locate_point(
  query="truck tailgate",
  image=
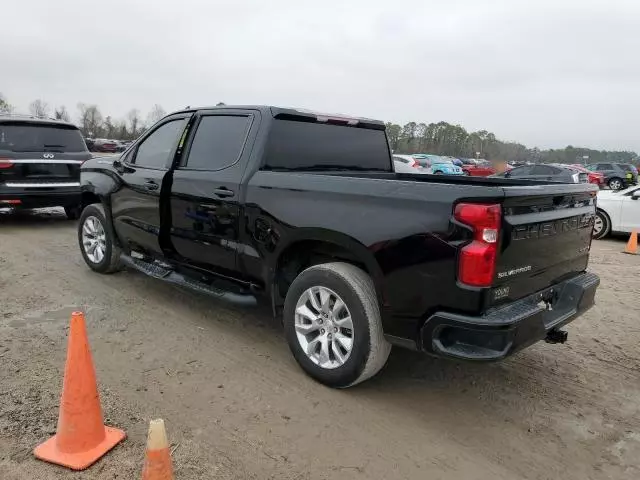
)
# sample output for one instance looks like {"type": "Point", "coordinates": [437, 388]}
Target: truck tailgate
{"type": "Point", "coordinates": [546, 238]}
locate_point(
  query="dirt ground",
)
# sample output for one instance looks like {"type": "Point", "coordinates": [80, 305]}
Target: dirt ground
{"type": "Point", "coordinates": [237, 406]}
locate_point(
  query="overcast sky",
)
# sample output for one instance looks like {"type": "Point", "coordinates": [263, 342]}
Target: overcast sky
{"type": "Point", "coordinates": [545, 73]}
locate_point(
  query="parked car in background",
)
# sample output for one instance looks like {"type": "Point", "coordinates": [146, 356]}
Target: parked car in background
{"type": "Point", "coordinates": [40, 163]}
{"type": "Point", "coordinates": [438, 165]}
{"type": "Point", "coordinates": [477, 168]}
{"type": "Point", "coordinates": [596, 178]}
{"type": "Point", "coordinates": [616, 175]}
{"type": "Point", "coordinates": [408, 164]}
{"type": "Point", "coordinates": [618, 211]}
{"type": "Point", "coordinates": [546, 172]}
{"type": "Point", "coordinates": [122, 145]}
{"type": "Point", "coordinates": [105, 146]}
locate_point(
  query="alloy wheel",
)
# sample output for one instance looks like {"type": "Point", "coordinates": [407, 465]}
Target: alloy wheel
{"type": "Point", "coordinates": [324, 327]}
{"type": "Point", "coordinates": [615, 184]}
{"type": "Point", "coordinates": [94, 239]}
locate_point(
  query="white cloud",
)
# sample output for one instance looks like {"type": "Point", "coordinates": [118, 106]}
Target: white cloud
{"type": "Point", "coordinates": [547, 73]}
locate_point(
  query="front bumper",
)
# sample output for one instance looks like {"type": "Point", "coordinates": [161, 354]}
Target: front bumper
{"type": "Point", "coordinates": [504, 330]}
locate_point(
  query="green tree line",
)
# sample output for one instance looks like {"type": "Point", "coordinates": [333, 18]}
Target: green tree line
{"type": "Point", "coordinates": [91, 121]}
{"type": "Point", "coordinates": [443, 138]}
{"type": "Point", "coordinates": [440, 138]}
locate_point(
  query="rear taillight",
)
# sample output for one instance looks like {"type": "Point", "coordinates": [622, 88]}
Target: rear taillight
{"type": "Point", "coordinates": [6, 162]}
{"type": "Point", "coordinates": [477, 260]}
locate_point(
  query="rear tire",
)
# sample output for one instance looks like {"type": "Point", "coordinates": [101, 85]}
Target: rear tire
{"type": "Point", "coordinates": [602, 225]}
{"type": "Point", "coordinates": [616, 183]}
{"type": "Point", "coordinates": [98, 247]}
{"type": "Point", "coordinates": [368, 349]}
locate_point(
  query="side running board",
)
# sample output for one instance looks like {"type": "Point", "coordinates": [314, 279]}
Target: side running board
{"type": "Point", "coordinates": [164, 272]}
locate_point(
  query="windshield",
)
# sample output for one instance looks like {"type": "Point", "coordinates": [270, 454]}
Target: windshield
{"type": "Point", "coordinates": [25, 137]}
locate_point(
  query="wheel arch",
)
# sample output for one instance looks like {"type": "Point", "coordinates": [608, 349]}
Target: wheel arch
{"type": "Point", "coordinates": [96, 187]}
{"type": "Point", "coordinates": [314, 246]}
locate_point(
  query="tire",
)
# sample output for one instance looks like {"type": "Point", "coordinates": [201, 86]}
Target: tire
{"type": "Point", "coordinates": [602, 225]}
{"type": "Point", "coordinates": [73, 212]}
{"type": "Point", "coordinates": [369, 349]}
{"type": "Point", "coordinates": [438, 173]}
{"type": "Point", "coordinates": [616, 183]}
{"type": "Point", "coordinates": [109, 261]}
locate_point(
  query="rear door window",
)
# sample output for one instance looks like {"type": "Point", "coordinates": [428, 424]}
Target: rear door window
{"type": "Point", "coordinates": [297, 145]}
{"type": "Point", "coordinates": [218, 142]}
{"type": "Point", "coordinates": [605, 166]}
{"type": "Point", "coordinates": [544, 170]}
{"type": "Point", "coordinates": [520, 171]}
{"type": "Point", "coordinates": [31, 137]}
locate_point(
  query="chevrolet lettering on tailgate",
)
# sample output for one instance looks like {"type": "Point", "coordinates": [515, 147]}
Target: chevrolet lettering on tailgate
{"type": "Point", "coordinates": [548, 229]}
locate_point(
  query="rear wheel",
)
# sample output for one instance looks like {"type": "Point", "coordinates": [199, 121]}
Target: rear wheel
{"type": "Point", "coordinates": [333, 326]}
{"type": "Point", "coordinates": [99, 250]}
{"type": "Point", "coordinates": [616, 183]}
{"type": "Point", "coordinates": [438, 173]}
{"type": "Point", "coordinates": [601, 225]}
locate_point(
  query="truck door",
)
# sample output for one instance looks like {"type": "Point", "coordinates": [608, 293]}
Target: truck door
{"type": "Point", "coordinates": [136, 205]}
{"type": "Point", "coordinates": [205, 194]}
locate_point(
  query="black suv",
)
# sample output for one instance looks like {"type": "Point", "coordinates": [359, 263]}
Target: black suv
{"type": "Point", "coordinates": [616, 175]}
{"type": "Point", "coordinates": [40, 163]}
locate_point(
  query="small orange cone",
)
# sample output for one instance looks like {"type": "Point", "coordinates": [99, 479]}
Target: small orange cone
{"type": "Point", "coordinates": [632, 244]}
{"type": "Point", "coordinates": [81, 438]}
{"type": "Point", "coordinates": [157, 461]}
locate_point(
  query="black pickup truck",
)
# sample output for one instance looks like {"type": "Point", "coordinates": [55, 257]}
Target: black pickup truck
{"type": "Point", "coordinates": [305, 210]}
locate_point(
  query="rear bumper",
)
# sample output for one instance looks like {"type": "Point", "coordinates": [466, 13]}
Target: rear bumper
{"type": "Point", "coordinates": [39, 197]}
{"type": "Point", "coordinates": [507, 329]}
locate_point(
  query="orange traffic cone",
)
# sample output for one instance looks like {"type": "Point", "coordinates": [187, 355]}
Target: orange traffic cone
{"type": "Point", "coordinates": [632, 244]}
{"type": "Point", "coordinates": [157, 461]}
{"type": "Point", "coordinates": [81, 438]}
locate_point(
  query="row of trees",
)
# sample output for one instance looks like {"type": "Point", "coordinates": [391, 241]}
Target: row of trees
{"type": "Point", "coordinates": [443, 138]}
{"type": "Point", "coordinates": [440, 138]}
{"type": "Point", "coordinates": [91, 120]}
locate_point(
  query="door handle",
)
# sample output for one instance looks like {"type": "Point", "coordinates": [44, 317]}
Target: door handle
{"type": "Point", "coordinates": [151, 185]}
{"type": "Point", "coordinates": [224, 192]}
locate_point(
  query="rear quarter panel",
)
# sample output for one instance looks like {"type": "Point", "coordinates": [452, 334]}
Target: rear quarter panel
{"type": "Point", "coordinates": [400, 229]}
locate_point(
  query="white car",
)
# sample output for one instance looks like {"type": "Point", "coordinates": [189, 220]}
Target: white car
{"type": "Point", "coordinates": [618, 211]}
{"type": "Point", "coordinates": [408, 164]}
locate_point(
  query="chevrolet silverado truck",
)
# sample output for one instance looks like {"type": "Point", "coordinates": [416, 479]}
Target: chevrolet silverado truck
{"type": "Point", "coordinates": [305, 211]}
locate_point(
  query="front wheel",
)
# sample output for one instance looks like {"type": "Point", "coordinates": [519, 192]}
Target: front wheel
{"type": "Point", "coordinates": [333, 326]}
{"type": "Point", "coordinates": [616, 184]}
{"type": "Point", "coordinates": [99, 250]}
{"type": "Point", "coordinates": [601, 225]}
